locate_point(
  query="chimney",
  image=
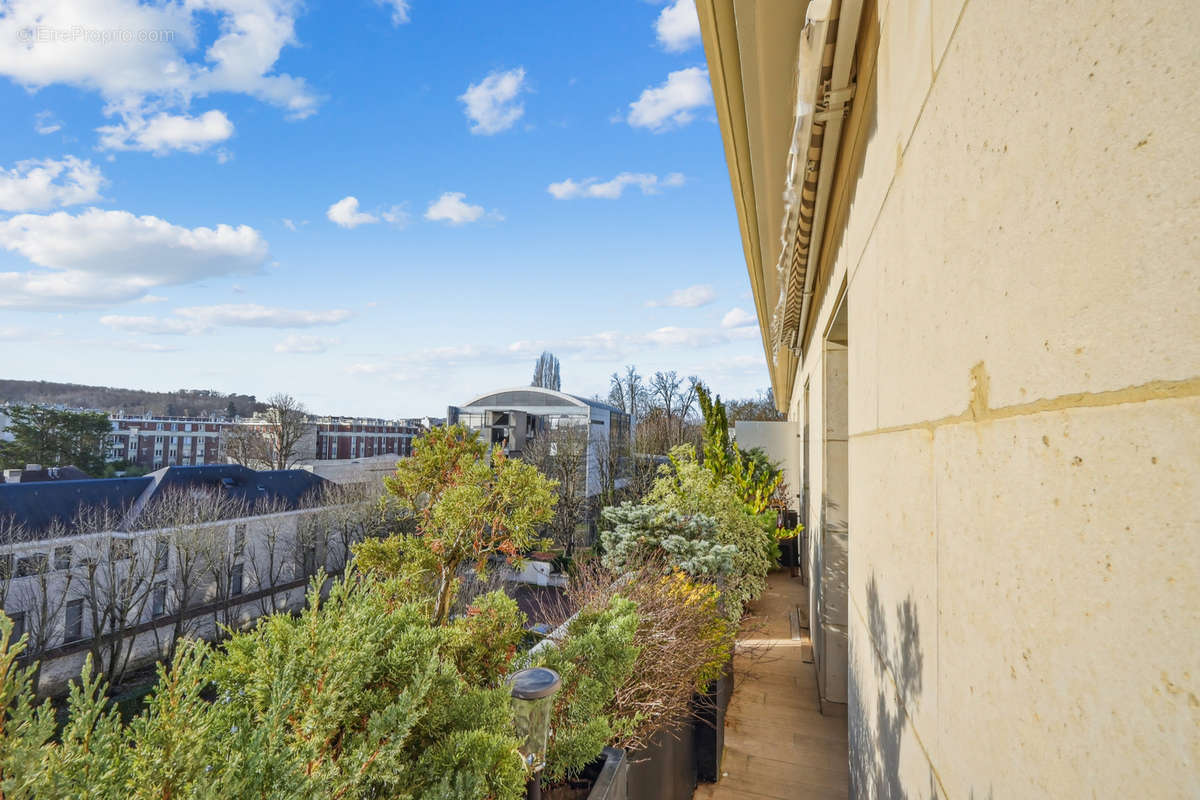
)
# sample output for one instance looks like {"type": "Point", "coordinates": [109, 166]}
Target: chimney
{"type": "Point", "coordinates": [12, 475]}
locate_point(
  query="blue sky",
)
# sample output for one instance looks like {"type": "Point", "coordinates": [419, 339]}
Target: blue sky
{"type": "Point", "coordinates": [381, 208]}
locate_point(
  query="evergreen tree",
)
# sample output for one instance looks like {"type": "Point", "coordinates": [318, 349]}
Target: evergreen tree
{"type": "Point", "coordinates": [55, 438]}
{"type": "Point", "coordinates": [545, 372]}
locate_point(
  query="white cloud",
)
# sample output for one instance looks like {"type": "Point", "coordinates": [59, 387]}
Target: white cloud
{"type": "Point", "coordinates": [164, 132]}
{"type": "Point", "coordinates": [152, 298]}
{"type": "Point", "coordinates": [157, 326]}
{"type": "Point", "coordinates": [400, 10]}
{"type": "Point", "coordinates": [345, 213]}
{"type": "Point", "coordinates": [252, 315]}
{"type": "Point", "coordinates": [193, 320]}
{"type": "Point", "coordinates": [452, 207]}
{"type": "Point", "coordinates": [691, 297]}
{"type": "Point", "coordinates": [298, 343]}
{"type": "Point", "coordinates": [45, 123]}
{"type": "Point", "coordinates": [98, 257]}
{"type": "Point", "coordinates": [145, 347]}
{"type": "Point", "coordinates": [170, 60]}
{"type": "Point", "coordinates": [40, 184]}
{"type": "Point", "coordinates": [612, 189]}
{"type": "Point", "coordinates": [287, 223]}
{"type": "Point", "coordinates": [492, 104]}
{"type": "Point", "coordinates": [678, 27]}
{"type": "Point", "coordinates": [673, 102]}
{"type": "Point", "coordinates": [365, 369]}
{"type": "Point", "coordinates": [736, 318]}
{"type": "Point", "coordinates": [396, 215]}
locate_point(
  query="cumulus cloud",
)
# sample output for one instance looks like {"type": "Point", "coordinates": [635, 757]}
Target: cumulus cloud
{"type": "Point", "coordinates": [453, 208]}
{"type": "Point", "coordinates": [691, 297]}
{"type": "Point", "coordinates": [162, 133]}
{"type": "Point", "coordinates": [397, 216]}
{"type": "Point", "coordinates": [40, 184]}
{"type": "Point", "coordinates": [345, 213]}
{"type": "Point", "coordinates": [45, 123]}
{"type": "Point", "coordinates": [672, 103]}
{"type": "Point", "coordinates": [678, 27]}
{"type": "Point", "coordinates": [612, 189]}
{"type": "Point", "coordinates": [192, 320]}
{"type": "Point", "coordinates": [400, 10]}
{"type": "Point", "coordinates": [298, 343]}
{"type": "Point", "coordinates": [736, 318]}
{"type": "Point", "coordinates": [173, 59]}
{"type": "Point", "coordinates": [492, 104]}
{"type": "Point", "coordinates": [98, 257]}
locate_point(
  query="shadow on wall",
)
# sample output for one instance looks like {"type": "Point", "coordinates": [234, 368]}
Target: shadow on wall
{"type": "Point", "coordinates": [875, 738]}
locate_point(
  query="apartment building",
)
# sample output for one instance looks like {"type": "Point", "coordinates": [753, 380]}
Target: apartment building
{"type": "Point", "coordinates": [121, 567]}
{"type": "Point", "coordinates": [970, 233]}
{"type": "Point", "coordinates": [355, 437]}
{"type": "Point", "coordinates": [512, 418]}
{"type": "Point", "coordinates": [152, 442]}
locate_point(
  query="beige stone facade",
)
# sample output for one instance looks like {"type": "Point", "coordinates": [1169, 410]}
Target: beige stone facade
{"type": "Point", "coordinates": [994, 400]}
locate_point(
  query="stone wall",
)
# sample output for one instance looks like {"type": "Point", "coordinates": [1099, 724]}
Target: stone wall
{"type": "Point", "coordinates": [1015, 244]}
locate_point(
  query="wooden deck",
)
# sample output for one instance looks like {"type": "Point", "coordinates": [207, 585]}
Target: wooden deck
{"type": "Point", "coordinates": [777, 742]}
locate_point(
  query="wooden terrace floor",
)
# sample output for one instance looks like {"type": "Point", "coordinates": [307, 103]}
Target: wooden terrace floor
{"type": "Point", "coordinates": [777, 742]}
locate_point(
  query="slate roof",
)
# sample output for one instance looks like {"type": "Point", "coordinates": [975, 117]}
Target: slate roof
{"type": "Point", "coordinates": [38, 505]}
{"type": "Point", "coordinates": [69, 473]}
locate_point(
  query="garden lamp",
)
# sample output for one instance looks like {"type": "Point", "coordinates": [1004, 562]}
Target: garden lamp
{"type": "Point", "coordinates": [533, 700]}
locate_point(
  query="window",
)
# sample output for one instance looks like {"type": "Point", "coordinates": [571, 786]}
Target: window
{"type": "Point", "coordinates": [62, 557]}
{"type": "Point", "coordinates": [74, 626]}
{"type": "Point", "coordinates": [158, 600]}
{"type": "Point", "coordinates": [120, 549]}
{"type": "Point", "coordinates": [235, 580]}
{"type": "Point", "coordinates": [18, 625]}
{"type": "Point", "coordinates": [310, 561]}
{"type": "Point", "coordinates": [162, 554]}
{"type": "Point", "coordinates": [32, 565]}
{"type": "Point", "coordinates": [239, 539]}
{"type": "Point", "coordinates": [6, 564]}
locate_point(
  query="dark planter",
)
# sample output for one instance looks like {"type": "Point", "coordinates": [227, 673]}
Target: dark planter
{"type": "Point", "coordinates": [666, 768]}
{"type": "Point", "coordinates": [611, 783]}
{"type": "Point", "coordinates": [788, 553]}
{"type": "Point", "coordinates": [709, 725]}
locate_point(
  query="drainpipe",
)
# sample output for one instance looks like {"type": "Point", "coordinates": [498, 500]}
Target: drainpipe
{"type": "Point", "coordinates": [837, 97]}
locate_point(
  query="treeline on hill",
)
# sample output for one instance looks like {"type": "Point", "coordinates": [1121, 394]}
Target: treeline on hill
{"type": "Point", "coordinates": [182, 403]}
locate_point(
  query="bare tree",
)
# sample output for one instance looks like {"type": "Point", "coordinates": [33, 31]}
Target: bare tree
{"type": "Point", "coordinates": [664, 390]}
{"type": "Point", "coordinates": [114, 573]}
{"type": "Point", "coordinates": [272, 442]}
{"type": "Point", "coordinates": [269, 555]}
{"type": "Point", "coordinates": [350, 514]}
{"type": "Point", "coordinates": [188, 521]}
{"type": "Point", "coordinates": [562, 454]}
{"type": "Point", "coordinates": [41, 594]}
{"type": "Point", "coordinates": [545, 372]}
{"type": "Point", "coordinates": [628, 392]}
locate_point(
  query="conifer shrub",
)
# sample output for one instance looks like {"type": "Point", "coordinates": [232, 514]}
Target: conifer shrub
{"type": "Point", "coordinates": [358, 697]}
{"type": "Point", "coordinates": [687, 488]}
{"type": "Point", "coordinates": [594, 659]}
{"type": "Point", "coordinates": [647, 532]}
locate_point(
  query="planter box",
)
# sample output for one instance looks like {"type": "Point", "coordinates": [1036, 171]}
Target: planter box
{"type": "Point", "coordinates": [710, 725]}
{"type": "Point", "coordinates": [666, 769]}
{"type": "Point", "coordinates": [612, 782]}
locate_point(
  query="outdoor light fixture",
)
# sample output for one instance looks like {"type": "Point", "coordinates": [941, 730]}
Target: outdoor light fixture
{"type": "Point", "coordinates": [533, 700]}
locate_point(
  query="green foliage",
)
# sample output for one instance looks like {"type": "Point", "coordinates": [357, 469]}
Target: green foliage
{"type": "Point", "coordinates": [469, 504]}
{"type": "Point", "coordinates": [688, 488]}
{"type": "Point", "coordinates": [484, 641]}
{"type": "Point", "coordinates": [359, 697]}
{"type": "Point", "coordinates": [55, 438]}
{"type": "Point", "coordinates": [755, 478]}
{"type": "Point", "coordinates": [594, 660]}
{"type": "Point", "coordinates": [639, 533]}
